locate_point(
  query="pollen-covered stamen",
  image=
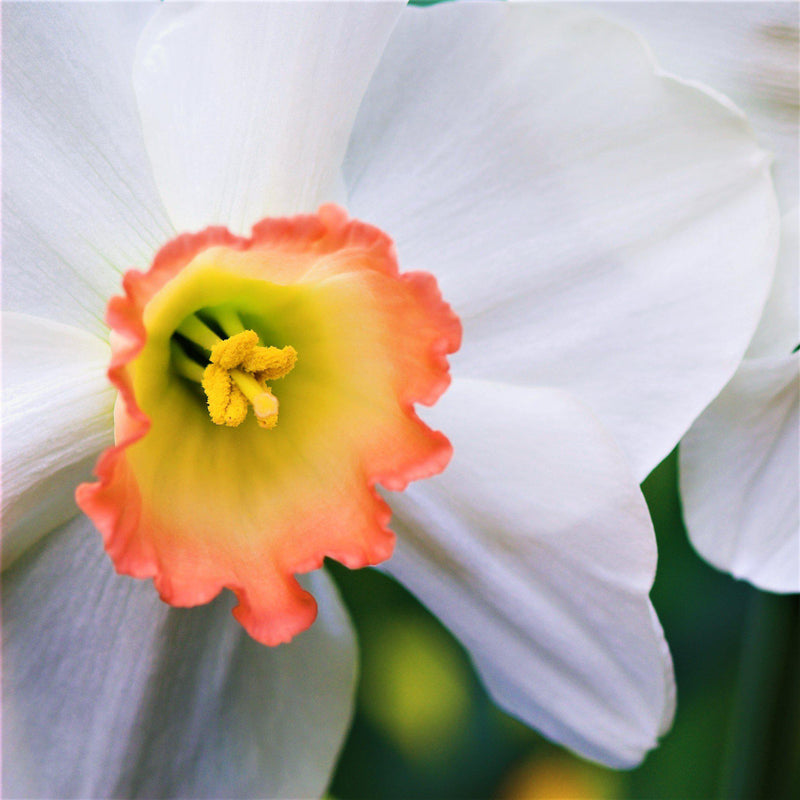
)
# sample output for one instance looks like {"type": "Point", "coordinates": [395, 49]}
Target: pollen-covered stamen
{"type": "Point", "coordinates": [230, 353]}
{"type": "Point", "coordinates": [227, 405]}
{"type": "Point", "coordinates": [270, 363]}
{"type": "Point", "coordinates": [235, 373]}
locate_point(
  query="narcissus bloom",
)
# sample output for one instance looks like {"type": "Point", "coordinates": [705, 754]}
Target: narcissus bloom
{"type": "Point", "coordinates": [740, 461]}
{"type": "Point", "coordinates": [606, 235]}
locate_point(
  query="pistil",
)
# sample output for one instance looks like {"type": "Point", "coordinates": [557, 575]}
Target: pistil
{"type": "Point", "coordinates": [265, 404]}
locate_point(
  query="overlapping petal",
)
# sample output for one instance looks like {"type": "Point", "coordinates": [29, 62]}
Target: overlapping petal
{"type": "Point", "coordinates": [57, 406]}
{"type": "Point", "coordinates": [79, 202]}
{"type": "Point", "coordinates": [748, 52]}
{"type": "Point", "coordinates": [107, 692]}
{"type": "Point", "coordinates": [247, 107]}
{"type": "Point", "coordinates": [536, 549]}
{"type": "Point", "coordinates": [740, 475]}
{"type": "Point", "coordinates": [597, 225]}
{"type": "Point", "coordinates": [740, 461]}
{"type": "Point", "coordinates": [778, 332]}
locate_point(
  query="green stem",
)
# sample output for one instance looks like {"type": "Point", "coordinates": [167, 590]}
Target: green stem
{"type": "Point", "coordinates": [195, 330]}
{"type": "Point", "coordinates": [229, 321]}
{"type": "Point", "coordinates": [763, 753]}
{"type": "Point", "coordinates": [184, 365]}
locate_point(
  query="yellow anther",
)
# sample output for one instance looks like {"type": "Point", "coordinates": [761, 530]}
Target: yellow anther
{"type": "Point", "coordinates": [270, 363]}
{"type": "Point", "coordinates": [227, 404]}
{"type": "Point", "coordinates": [229, 353]}
{"type": "Point", "coordinates": [237, 375]}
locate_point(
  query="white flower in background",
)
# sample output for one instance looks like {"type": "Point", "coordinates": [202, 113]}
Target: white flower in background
{"type": "Point", "coordinates": [607, 235]}
{"type": "Point", "coordinates": [740, 462]}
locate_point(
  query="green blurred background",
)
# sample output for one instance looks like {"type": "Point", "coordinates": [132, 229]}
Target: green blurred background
{"type": "Point", "coordinates": [425, 727]}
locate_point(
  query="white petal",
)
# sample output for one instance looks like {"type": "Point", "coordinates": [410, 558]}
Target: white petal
{"type": "Point", "coordinates": [109, 693]}
{"type": "Point", "coordinates": [79, 202]}
{"type": "Point", "coordinates": [748, 51]}
{"type": "Point", "coordinates": [247, 108]}
{"type": "Point", "coordinates": [778, 332]}
{"type": "Point", "coordinates": [535, 548]}
{"type": "Point", "coordinates": [599, 226]}
{"type": "Point", "coordinates": [57, 417]}
{"type": "Point", "coordinates": [740, 476]}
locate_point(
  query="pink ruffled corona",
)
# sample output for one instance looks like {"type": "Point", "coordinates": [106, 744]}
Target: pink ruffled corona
{"type": "Point", "coordinates": [199, 507]}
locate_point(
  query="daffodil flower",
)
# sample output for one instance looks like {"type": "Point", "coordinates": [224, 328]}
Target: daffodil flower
{"type": "Point", "coordinates": [606, 234]}
{"type": "Point", "coordinates": [739, 465]}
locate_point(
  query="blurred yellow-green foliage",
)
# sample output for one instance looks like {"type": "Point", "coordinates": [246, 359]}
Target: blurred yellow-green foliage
{"type": "Point", "coordinates": [425, 727]}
